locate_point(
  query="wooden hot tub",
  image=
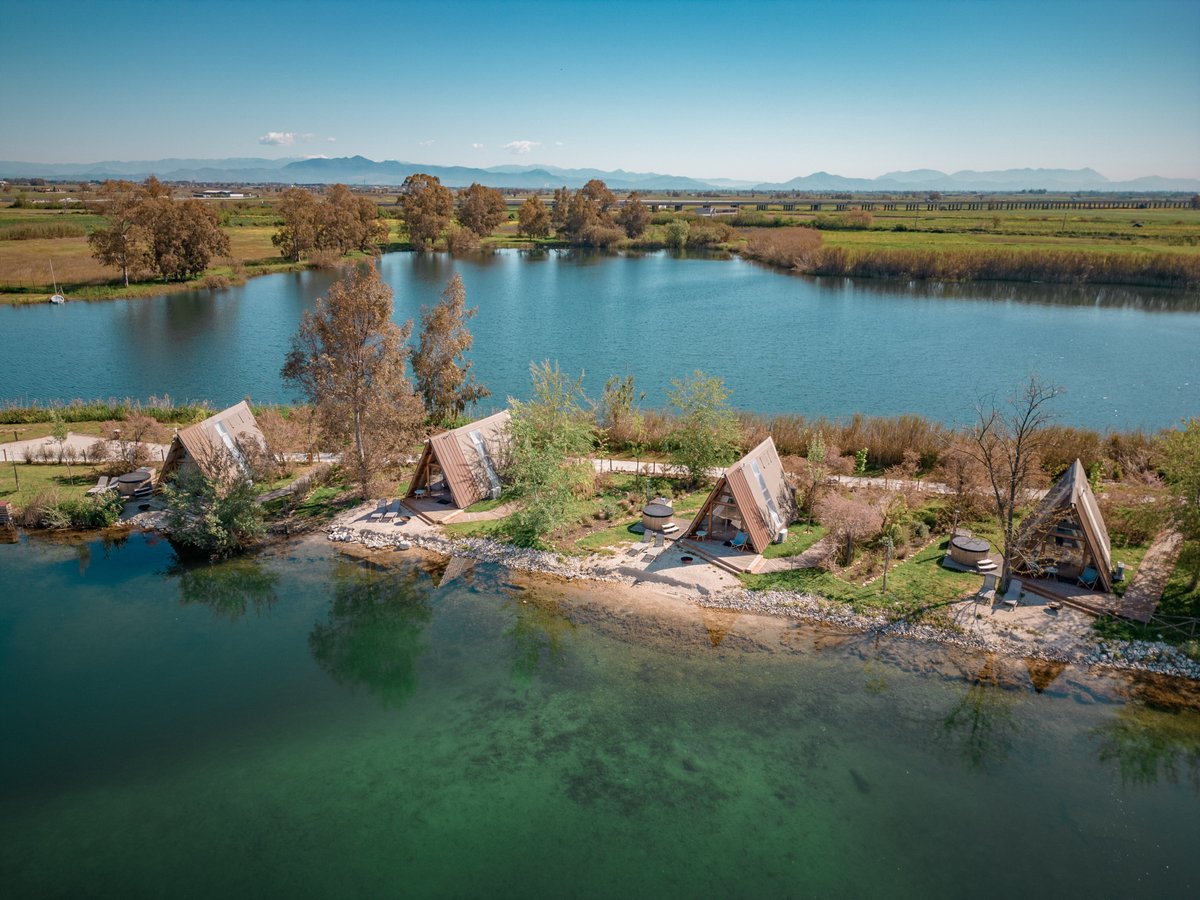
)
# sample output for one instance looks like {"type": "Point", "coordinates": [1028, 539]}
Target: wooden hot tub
{"type": "Point", "coordinates": [967, 550]}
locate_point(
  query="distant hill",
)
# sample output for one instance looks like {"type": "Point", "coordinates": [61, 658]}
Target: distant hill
{"type": "Point", "coordinates": [359, 170]}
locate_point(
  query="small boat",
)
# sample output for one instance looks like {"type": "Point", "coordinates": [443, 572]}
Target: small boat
{"type": "Point", "coordinates": [56, 298]}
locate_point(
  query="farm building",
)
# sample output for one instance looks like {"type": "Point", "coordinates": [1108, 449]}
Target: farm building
{"type": "Point", "coordinates": [751, 501]}
{"type": "Point", "coordinates": [462, 465]}
{"type": "Point", "coordinates": [212, 445]}
{"type": "Point", "coordinates": [1064, 537]}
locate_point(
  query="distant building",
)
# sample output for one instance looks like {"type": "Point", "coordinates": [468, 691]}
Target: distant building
{"type": "Point", "coordinates": [218, 446]}
{"type": "Point", "coordinates": [221, 195]}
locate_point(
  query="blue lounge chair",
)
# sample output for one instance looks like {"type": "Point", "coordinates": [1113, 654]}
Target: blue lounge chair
{"type": "Point", "coordinates": [1089, 578]}
{"type": "Point", "coordinates": [739, 541]}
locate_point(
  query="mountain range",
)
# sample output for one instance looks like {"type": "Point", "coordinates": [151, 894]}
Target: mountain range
{"type": "Point", "coordinates": [359, 170]}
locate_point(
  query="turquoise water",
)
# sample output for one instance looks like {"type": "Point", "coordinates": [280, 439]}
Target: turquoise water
{"type": "Point", "coordinates": [783, 343]}
{"type": "Point", "coordinates": [309, 724]}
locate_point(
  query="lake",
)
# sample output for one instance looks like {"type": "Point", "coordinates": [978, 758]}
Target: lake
{"type": "Point", "coordinates": [304, 723]}
{"type": "Point", "coordinates": [783, 343]}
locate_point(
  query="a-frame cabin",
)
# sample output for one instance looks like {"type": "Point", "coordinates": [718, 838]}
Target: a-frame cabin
{"type": "Point", "coordinates": [752, 497]}
{"type": "Point", "coordinates": [463, 463]}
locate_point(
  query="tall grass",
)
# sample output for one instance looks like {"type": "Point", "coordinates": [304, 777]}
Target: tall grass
{"type": "Point", "coordinates": [36, 230]}
{"type": "Point", "coordinates": [161, 409]}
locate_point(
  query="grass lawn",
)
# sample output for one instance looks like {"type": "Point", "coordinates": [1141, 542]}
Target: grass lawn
{"type": "Point", "coordinates": [912, 583]}
{"type": "Point", "coordinates": [798, 540]}
{"type": "Point", "coordinates": [1178, 601]}
{"type": "Point", "coordinates": [40, 479]}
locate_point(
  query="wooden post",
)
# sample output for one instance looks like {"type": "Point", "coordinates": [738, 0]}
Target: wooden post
{"type": "Point", "coordinates": [16, 477]}
{"type": "Point", "coordinates": [887, 560]}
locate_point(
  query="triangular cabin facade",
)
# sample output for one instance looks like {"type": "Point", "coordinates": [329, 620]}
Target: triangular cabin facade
{"type": "Point", "coordinates": [751, 497]}
{"type": "Point", "coordinates": [463, 465]}
{"type": "Point", "coordinates": [1066, 533]}
{"type": "Point", "coordinates": [211, 445]}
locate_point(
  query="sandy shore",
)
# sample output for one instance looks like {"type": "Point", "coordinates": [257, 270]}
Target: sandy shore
{"type": "Point", "coordinates": [658, 577]}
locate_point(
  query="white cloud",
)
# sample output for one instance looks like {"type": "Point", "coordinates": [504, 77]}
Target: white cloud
{"type": "Point", "coordinates": [558, 143]}
{"type": "Point", "coordinates": [307, 136]}
{"type": "Point", "coordinates": [331, 140]}
{"type": "Point", "coordinates": [428, 143]}
{"type": "Point", "coordinates": [477, 146]}
{"type": "Point", "coordinates": [521, 147]}
{"type": "Point", "coordinates": [278, 138]}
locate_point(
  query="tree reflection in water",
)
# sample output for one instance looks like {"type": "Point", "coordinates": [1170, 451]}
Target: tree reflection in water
{"type": "Point", "coordinates": [230, 588]}
{"type": "Point", "coordinates": [983, 719]}
{"type": "Point", "coordinates": [372, 635]}
{"type": "Point", "coordinates": [538, 632]}
{"type": "Point", "coordinates": [1156, 735]}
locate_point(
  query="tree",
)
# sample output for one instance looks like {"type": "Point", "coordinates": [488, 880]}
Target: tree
{"type": "Point", "coordinates": [547, 432]}
{"type": "Point", "coordinates": [634, 216]}
{"type": "Point", "coordinates": [533, 218]}
{"type": "Point", "coordinates": [1181, 467]}
{"type": "Point", "coordinates": [59, 432]}
{"type": "Point", "coordinates": [480, 209]}
{"type": "Point", "coordinates": [427, 207]}
{"type": "Point", "coordinates": [706, 433]}
{"type": "Point", "coordinates": [297, 236]}
{"type": "Point", "coordinates": [349, 360]}
{"type": "Point", "coordinates": [184, 236]}
{"type": "Point", "coordinates": [558, 209]}
{"type": "Point", "coordinates": [444, 378]}
{"type": "Point", "coordinates": [349, 222]}
{"type": "Point", "coordinates": [814, 476]}
{"type": "Point", "coordinates": [1007, 442]}
{"type": "Point", "coordinates": [207, 517]}
{"type": "Point", "coordinates": [122, 243]}
{"type": "Point", "coordinates": [849, 520]}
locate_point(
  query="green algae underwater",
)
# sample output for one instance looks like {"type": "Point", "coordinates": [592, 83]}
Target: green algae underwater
{"type": "Point", "coordinates": [312, 723]}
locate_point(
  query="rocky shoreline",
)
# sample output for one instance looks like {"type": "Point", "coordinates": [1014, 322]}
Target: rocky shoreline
{"type": "Point", "coordinates": [1087, 652]}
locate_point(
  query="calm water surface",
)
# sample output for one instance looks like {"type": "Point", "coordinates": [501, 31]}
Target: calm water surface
{"type": "Point", "coordinates": [307, 724]}
{"type": "Point", "coordinates": [783, 343]}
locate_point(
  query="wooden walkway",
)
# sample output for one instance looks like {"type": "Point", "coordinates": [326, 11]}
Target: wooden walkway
{"type": "Point", "coordinates": [1141, 597]}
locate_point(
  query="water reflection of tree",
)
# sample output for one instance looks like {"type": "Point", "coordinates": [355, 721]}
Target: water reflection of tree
{"type": "Point", "coordinates": [983, 720]}
{"type": "Point", "coordinates": [372, 635]}
{"type": "Point", "coordinates": [1149, 742]}
{"type": "Point", "coordinates": [230, 588]}
{"type": "Point", "coordinates": [538, 632]}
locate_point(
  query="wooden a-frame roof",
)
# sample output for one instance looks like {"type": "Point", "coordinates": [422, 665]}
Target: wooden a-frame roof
{"type": "Point", "coordinates": [468, 457]}
{"type": "Point", "coordinates": [764, 500]}
{"type": "Point", "coordinates": [1071, 498]}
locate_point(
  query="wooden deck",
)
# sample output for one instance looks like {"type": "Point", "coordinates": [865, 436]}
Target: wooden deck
{"type": "Point", "coordinates": [735, 561]}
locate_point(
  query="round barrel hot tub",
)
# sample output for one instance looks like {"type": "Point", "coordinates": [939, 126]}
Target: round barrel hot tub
{"type": "Point", "coordinates": [967, 550]}
{"type": "Point", "coordinates": [656, 515]}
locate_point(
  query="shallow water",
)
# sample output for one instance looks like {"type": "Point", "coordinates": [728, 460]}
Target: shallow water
{"type": "Point", "coordinates": [310, 724]}
{"type": "Point", "coordinates": [783, 343]}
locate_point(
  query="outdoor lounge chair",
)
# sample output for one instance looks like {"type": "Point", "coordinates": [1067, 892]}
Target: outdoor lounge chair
{"type": "Point", "coordinates": [739, 541]}
{"type": "Point", "coordinates": [1012, 597]}
{"type": "Point", "coordinates": [100, 486]}
{"type": "Point", "coordinates": [378, 512]}
{"type": "Point", "coordinates": [1089, 578]}
{"type": "Point", "coordinates": [392, 510]}
{"type": "Point", "coordinates": [987, 590]}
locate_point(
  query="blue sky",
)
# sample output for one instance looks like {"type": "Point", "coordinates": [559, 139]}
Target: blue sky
{"type": "Point", "coordinates": [760, 91]}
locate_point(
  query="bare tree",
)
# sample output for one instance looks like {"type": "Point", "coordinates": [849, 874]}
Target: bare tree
{"type": "Point", "coordinates": [1007, 441]}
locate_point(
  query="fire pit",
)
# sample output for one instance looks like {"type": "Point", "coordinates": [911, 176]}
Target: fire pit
{"type": "Point", "coordinates": [967, 550]}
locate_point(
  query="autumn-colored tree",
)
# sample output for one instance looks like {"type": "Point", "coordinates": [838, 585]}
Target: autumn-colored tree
{"type": "Point", "coordinates": [533, 218]}
{"type": "Point", "coordinates": [444, 377]}
{"type": "Point", "coordinates": [349, 222]}
{"type": "Point", "coordinates": [427, 206]}
{"type": "Point", "coordinates": [558, 209]}
{"type": "Point", "coordinates": [122, 242]}
{"type": "Point", "coordinates": [184, 236]}
{"type": "Point", "coordinates": [349, 360]}
{"type": "Point", "coordinates": [603, 200]}
{"type": "Point", "coordinates": [297, 236]}
{"type": "Point", "coordinates": [850, 521]}
{"type": "Point", "coordinates": [634, 216]}
{"type": "Point", "coordinates": [480, 209]}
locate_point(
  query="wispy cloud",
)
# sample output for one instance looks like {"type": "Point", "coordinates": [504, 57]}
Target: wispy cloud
{"type": "Point", "coordinates": [331, 140]}
{"type": "Point", "coordinates": [521, 147]}
{"type": "Point", "coordinates": [477, 146]}
{"type": "Point", "coordinates": [428, 143]}
{"type": "Point", "coordinates": [278, 138]}
{"type": "Point", "coordinates": [558, 143]}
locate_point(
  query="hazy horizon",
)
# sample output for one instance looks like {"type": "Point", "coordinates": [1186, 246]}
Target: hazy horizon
{"type": "Point", "coordinates": [763, 93]}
